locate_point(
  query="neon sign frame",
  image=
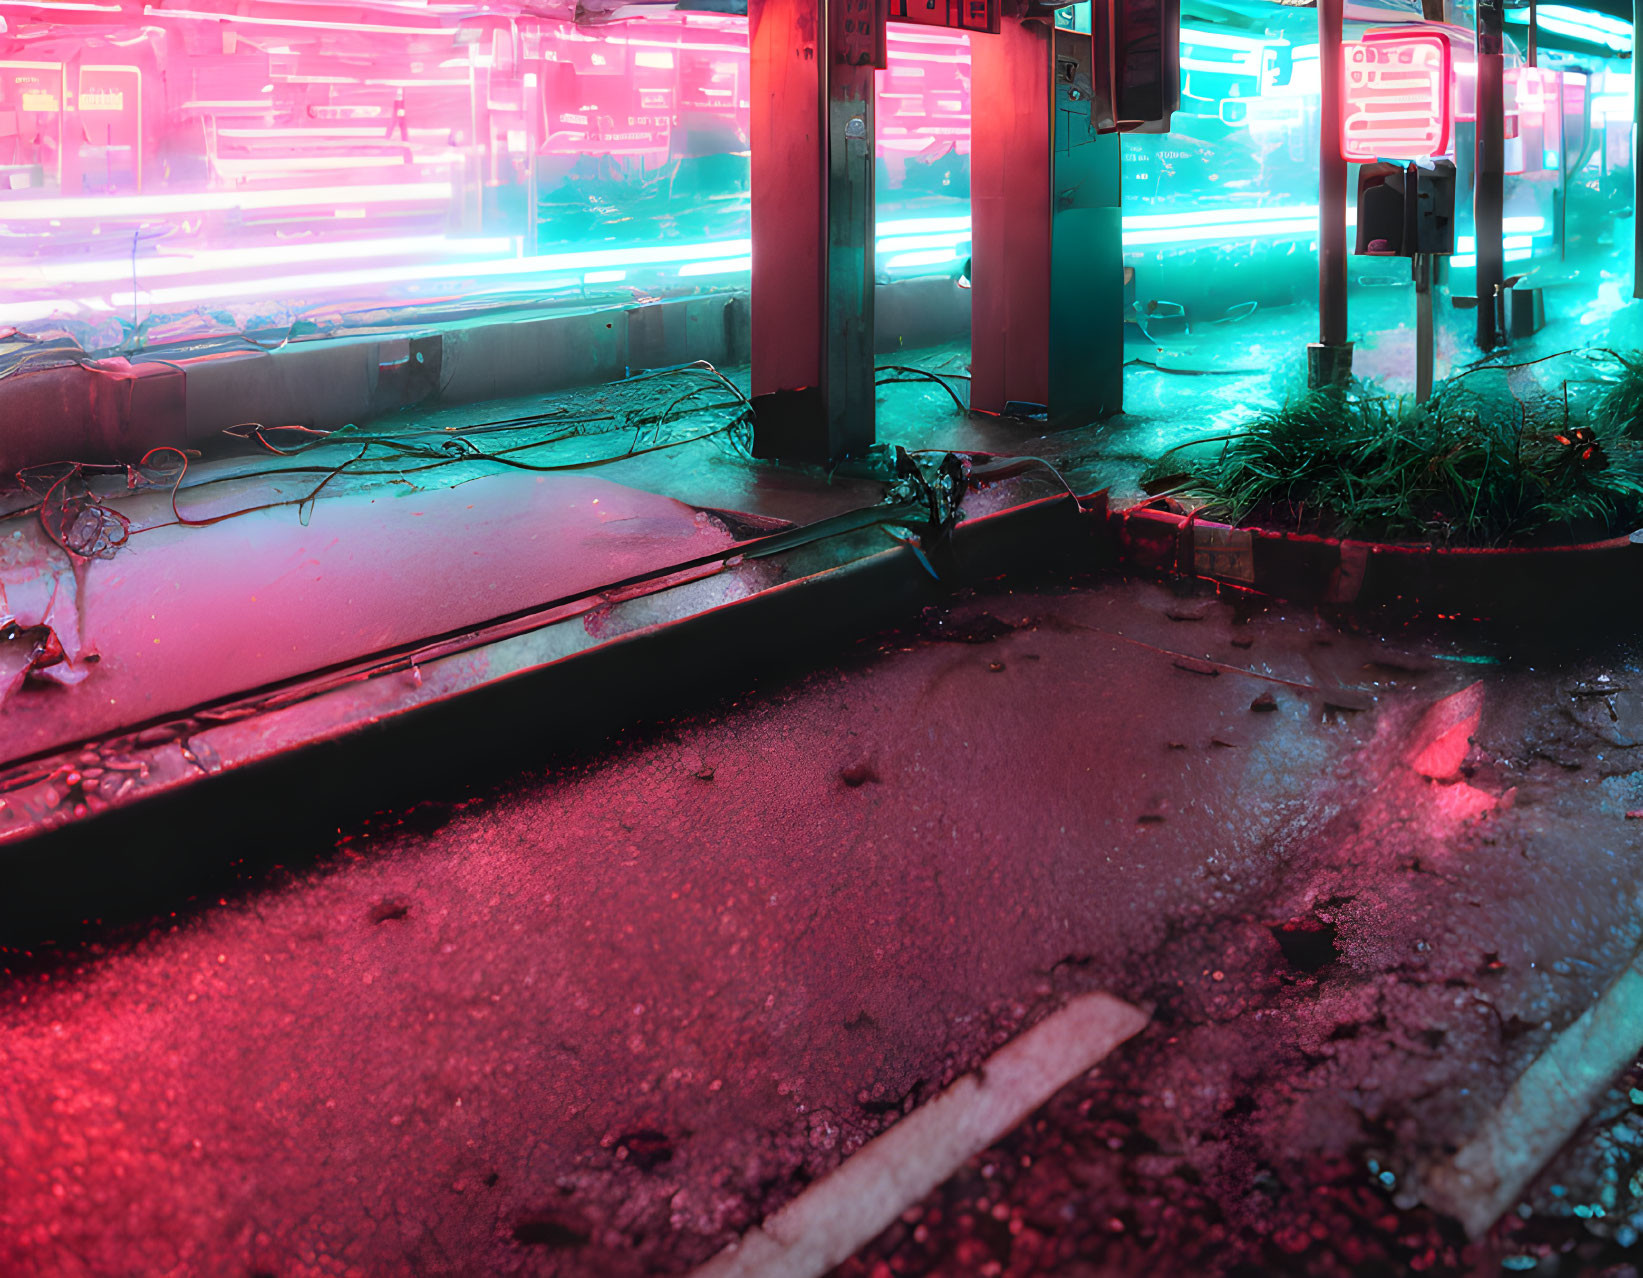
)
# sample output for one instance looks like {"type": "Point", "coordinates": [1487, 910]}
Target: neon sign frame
{"type": "Point", "coordinates": [1380, 75]}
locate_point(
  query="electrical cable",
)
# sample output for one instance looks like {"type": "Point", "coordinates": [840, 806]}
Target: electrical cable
{"type": "Point", "coordinates": [1194, 372]}
{"type": "Point", "coordinates": [922, 374]}
{"type": "Point", "coordinates": [110, 529]}
{"type": "Point", "coordinates": [970, 452]}
{"type": "Point", "coordinates": [1483, 365]}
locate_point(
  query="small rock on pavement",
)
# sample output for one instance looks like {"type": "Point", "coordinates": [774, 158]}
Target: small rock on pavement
{"type": "Point", "coordinates": [1614, 715]}
{"type": "Point", "coordinates": [1264, 703]}
{"type": "Point", "coordinates": [1194, 666]}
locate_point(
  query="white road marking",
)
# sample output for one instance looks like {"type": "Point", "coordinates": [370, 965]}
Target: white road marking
{"type": "Point", "coordinates": [1543, 1109]}
{"type": "Point", "coordinates": [843, 1211]}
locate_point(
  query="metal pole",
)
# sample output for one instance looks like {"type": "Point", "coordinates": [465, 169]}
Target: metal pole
{"type": "Point", "coordinates": [1329, 360]}
{"type": "Point", "coordinates": [533, 197]}
{"type": "Point", "coordinates": [1534, 36]}
{"type": "Point", "coordinates": [855, 49]}
{"type": "Point", "coordinates": [1423, 327]}
{"type": "Point", "coordinates": [1489, 173]}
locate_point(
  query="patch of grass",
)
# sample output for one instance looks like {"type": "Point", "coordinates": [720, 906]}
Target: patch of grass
{"type": "Point", "coordinates": [1462, 469]}
{"type": "Point", "coordinates": [1620, 411]}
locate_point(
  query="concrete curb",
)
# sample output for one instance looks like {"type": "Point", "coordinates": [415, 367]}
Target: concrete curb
{"type": "Point", "coordinates": [80, 827]}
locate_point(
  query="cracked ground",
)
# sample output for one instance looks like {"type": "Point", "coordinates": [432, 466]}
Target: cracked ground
{"type": "Point", "coordinates": [600, 1017]}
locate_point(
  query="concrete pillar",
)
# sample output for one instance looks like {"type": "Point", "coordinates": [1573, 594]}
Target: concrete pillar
{"type": "Point", "coordinates": [812, 65]}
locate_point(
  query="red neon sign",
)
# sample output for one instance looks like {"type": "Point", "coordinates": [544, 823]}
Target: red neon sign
{"type": "Point", "coordinates": [1397, 95]}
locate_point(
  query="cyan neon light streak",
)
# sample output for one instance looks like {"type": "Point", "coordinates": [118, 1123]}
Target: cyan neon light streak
{"type": "Point", "coordinates": [905, 245]}
{"type": "Point", "coordinates": [1220, 217]}
{"type": "Point", "coordinates": [697, 259]}
{"type": "Point", "coordinates": [1225, 40]}
{"type": "Point", "coordinates": [1464, 261]}
{"type": "Point", "coordinates": [1225, 231]}
{"type": "Point", "coordinates": [729, 266]}
{"type": "Point", "coordinates": [1467, 244]}
{"type": "Point", "coordinates": [926, 257]}
{"type": "Point", "coordinates": [1579, 24]}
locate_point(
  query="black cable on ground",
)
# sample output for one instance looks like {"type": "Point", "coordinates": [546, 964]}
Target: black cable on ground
{"type": "Point", "coordinates": [923, 374]}
{"type": "Point", "coordinates": [57, 505]}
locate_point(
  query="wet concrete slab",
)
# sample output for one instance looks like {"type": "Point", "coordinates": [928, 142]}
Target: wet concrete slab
{"type": "Point", "coordinates": [183, 616]}
{"type": "Point", "coordinates": [602, 1019]}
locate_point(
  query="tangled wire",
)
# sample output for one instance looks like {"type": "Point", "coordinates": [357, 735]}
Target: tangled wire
{"type": "Point", "coordinates": [87, 526]}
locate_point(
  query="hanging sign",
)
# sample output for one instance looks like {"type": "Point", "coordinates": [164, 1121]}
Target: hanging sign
{"type": "Point", "coordinates": [1398, 101]}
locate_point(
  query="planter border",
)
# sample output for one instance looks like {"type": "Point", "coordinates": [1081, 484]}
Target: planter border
{"type": "Point", "coordinates": [1466, 582]}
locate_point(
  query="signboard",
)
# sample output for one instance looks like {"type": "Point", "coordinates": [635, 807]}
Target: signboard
{"type": "Point", "coordinates": [109, 100]}
{"type": "Point", "coordinates": [962, 15]}
{"type": "Point", "coordinates": [33, 88]}
{"type": "Point", "coordinates": [31, 113]}
{"type": "Point", "coordinates": [1534, 120]}
{"type": "Point", "coordinates": [1397, 87]}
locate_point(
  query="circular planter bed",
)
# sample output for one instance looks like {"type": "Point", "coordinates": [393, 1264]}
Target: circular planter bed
{"type": "Point", "coordinates": [1493, 499]}
{"type": "Point", "coordinates": [1589, 579]}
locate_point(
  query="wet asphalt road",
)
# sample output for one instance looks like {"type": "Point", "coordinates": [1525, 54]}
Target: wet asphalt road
{"type": "Point", "coordinates": [599, 1019]}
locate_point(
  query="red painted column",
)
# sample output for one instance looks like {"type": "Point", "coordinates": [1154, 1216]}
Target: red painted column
{"type": "Point", "coordinates": [789, 200]}
{"type": "Point", "coordinates": [1010, 216]}
{"type": "Point", "coordinates": [812, 71]}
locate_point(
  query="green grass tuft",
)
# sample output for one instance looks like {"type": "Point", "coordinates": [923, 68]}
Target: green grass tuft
{"type": "Point", "coordinates": [1620, 411]}
{"type": "Point", "coordinates": [1463, 469]}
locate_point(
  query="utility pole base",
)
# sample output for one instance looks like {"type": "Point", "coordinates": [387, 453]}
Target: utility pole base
{"type": "Point", "coordinates": [791, 426]}
{"type": "Point", "coordinates": [1328, 367]}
